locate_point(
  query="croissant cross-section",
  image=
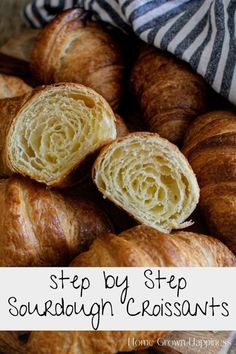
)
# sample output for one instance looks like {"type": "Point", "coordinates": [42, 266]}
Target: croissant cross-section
{"type": "Point", "coordinates": [54, 130]}
{"type": "Point", "coordinates": [148, 177]}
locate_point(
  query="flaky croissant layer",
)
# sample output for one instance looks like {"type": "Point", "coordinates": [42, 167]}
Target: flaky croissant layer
{"type": "Point", "coordinates": [50, 132]}
{"type": "Point", "coordinates": [40, 227]}
{"type": "Point", "coordinates": [148, 177]}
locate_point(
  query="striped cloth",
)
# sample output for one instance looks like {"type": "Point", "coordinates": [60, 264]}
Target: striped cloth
{"type": "Point", "coordinates": [201, 32]}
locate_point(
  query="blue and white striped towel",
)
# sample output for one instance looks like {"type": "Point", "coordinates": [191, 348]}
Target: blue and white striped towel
{"type": "Point", "coordinates": [201, 32]}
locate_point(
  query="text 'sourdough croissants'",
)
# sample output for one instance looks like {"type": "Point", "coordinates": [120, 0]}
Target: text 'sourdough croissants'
{"type": "Point", "coordinates": [169, 92]}
{"type": "Point", "coordinates": [50, 132]}
{"type": "Point", "coordinates": [41, 227]}
{"type": "Point", "coordinates": [140, 246]}
{"type": "Point", "coordinates": [210, 148]}
{"type": "Point", "coordinates": [150, 178]}
{"type": "Point", "coordinates": [73, 48]}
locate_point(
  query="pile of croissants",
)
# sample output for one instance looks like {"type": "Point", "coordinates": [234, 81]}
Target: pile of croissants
{"type": "Point", "coordinates": [81, 186]}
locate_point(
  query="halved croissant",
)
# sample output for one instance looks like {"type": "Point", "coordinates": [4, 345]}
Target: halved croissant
{"type": "Point", "coordinates": [12, 86]}
{"type": "Point", "coordinates": [210, 147]}
{"type": "Point", "coordinates": [148, 177]}
{"type": "Point", "coordinates": [40, 227]}
{"type": "Point", "coordinates": [74, 49]}
{"type": "Point", "coordinates": [169, 92]}
{"type": "Point", "coordinates": [140, 246]}
{"type": "Point", "coordinates": [50, 132]}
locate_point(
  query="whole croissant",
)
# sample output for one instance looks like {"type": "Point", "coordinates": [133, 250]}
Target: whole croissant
{"type": "Point", "coordinates": [51, 132]}
{"type": "Point", "coordinates": [12, 86]}
{"type": "Point", "coordinates": [140, 246]}
{"type": "Point", "coordinates": [40, 227]}
{"type": "Point", "coordinates": [169, 93]}
{"type": "Point", "coordinates": [74, 49]}
{"type": "Point", "coordinates": [210, 146]}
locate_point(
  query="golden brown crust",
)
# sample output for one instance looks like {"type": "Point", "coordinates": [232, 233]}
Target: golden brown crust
{"type": "Point", "coordinates": [86, 342]}
{"type": "Point", "coordinates": [12, 342]}
{"type": "Point", "coordinates": [210, 148]}
{"type": "Point", "coordinates": [169, 93]}
{"type": "Point", "coordinates": [140, 246]}
{"type": "Point", "coordinates": [40, 227]}
{"type": "Point", "coordinates": [12, 86]}
{"type": "Point", "coordinates": [12, 110]}
{"type": "Point", "coordinates": [74, 49]}
{"type": "Point", "coordinates": [202, 121]}
{"type": "Point", "coordinates": [20, 46]}
{"type": "Point", "coordinates": [144, 246]}
{"type": "Point", "coordinates": [218, 205]}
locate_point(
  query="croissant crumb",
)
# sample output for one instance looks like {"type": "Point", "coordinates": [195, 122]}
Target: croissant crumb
{"type": "Point", "coordinates": [150, 178]}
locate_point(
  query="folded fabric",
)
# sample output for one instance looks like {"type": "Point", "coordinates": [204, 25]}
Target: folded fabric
{"type": "Point", "coordinates": [201, 32]}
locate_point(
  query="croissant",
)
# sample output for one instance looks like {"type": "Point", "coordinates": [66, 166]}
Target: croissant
{"type": "Point", "coordinates": [210, 148]}
{"type": "Point", "coordinates": [40, 227]}
{"type": "Point", "coordinates": [12, 86]}
{"type": "Point", "coordinates": [50, 132]}
{"type": "Point", "coordinates": [169, 93]}
{"type": "Point", "coordinates": [12, 342]}
{"type": "Point", "coordinates": [72, 48]}
{"type": "Point", "coordinates": [148, 177]}
{"type": "Point", "coordinates": [140, 246]}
